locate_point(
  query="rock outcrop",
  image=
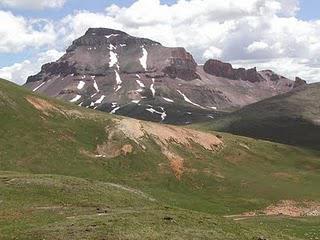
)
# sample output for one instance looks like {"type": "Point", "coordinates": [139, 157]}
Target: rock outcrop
{"type": "Point", "coordinates": [299, 82]}
{"type": "Point", "coordinates": [225, 70]}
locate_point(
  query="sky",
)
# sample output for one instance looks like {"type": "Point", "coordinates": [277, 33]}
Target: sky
{"type": "Point", "coordinates": [281, 35]}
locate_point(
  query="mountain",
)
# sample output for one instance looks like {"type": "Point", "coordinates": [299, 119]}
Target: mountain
{"type": "Point", "coordinates": [68, 172]}
{"type": "Point", "coordinates": [112, 71]}
{"type": "Point", "coordinates": [291, 118]}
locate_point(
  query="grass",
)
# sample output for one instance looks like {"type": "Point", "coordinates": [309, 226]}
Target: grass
{"type": "Point", "coordinates": [291, 118]}
{"type": "Point", "coordinates": [46, 154]}
{"type": "Point", "coordinates": [60, 207]}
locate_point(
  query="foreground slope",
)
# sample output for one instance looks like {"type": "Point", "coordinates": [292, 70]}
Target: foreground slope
{"type": "Point", "coordinates": [70, 172]}
{"type": "Point", "coordinates": [111, 71]}
{"type": "Point", "coordinates": [59, 208]}
{"type": "Point", "coordinates": [292, 118]}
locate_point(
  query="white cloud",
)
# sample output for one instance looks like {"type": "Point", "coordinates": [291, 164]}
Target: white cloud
{"type": "Point", "coordinates": [19, 72]}
{"type": "Point", "coordinates": [18, 33]}
{"type": "Point", "coordinates": [288, 67]}
{"type": "Point", "coordinates": [32, 4]}
{"type": "Point", "coordinates": [257, 46]}
{"type": "Point", "coordinates": [246, 31]}
{"type": "Point", "coordinates": [212, 52]}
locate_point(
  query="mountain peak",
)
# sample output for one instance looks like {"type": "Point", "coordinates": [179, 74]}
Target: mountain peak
{"type": "Point", "coordinates": [103, 32]}
{"type": "Point", "coordinates": [112, 71]}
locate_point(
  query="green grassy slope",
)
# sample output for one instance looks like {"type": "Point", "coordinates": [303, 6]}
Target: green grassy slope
{"type": "Point", "coordinates": [60, 207]}
{"type": "Point", "coordinates": [244, 175]}
{"type": "Point", "coordinates": [292, 118]}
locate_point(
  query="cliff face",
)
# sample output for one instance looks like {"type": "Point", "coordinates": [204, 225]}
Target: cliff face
{"type": "Point", "coordinates": [101, 51]}
{"type": "Point", "coordinates": [225, 70]}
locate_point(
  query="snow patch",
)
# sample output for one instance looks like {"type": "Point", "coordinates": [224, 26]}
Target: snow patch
{"type": "Point", "coordinates": [115, 110]}
{"type": "Point", "coordinates": [95, 85]}
{"type": "Point", "coordinates": [163, 114]}
{"type": "Point", "coordinates": [140, 84]}
{"type": "Point", "coordinates": [152, 88]}
{"type": "Point", "coordinates": [111, 35]}
{"type": "Point", "coordinates": [144, 58]}
{"type": "Point", "coordinates": [113, 59]}
{"type": "Point", "coordinates": [135, 101]}
{"type": "Point", "coordinates": [100, 99]}
{"type": "Point", "coordinates": [39, 86]}
{"type": "Point", "coordinates": [118, 88]}
{"type": "Point", "coordinates": [118, 78]}
{"type": "Point", "coordinates": [112, 47]}
{"type": "Point", "coordinates": [93, 95]}
{"type": "Point", "coordinates": [81, 85]}
{"type": "Point", "coordinates": [168, 100]}
{"type": "Point", "coordinates": [189, 101]}
{"type": "Point", "coordinates": [75, 99]}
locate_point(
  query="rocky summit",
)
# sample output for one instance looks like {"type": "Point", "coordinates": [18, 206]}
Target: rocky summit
{"type": "Point", "coordinates": [111, 71]}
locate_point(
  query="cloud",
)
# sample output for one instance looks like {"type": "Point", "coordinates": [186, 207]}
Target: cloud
{"type": "Point", "coordinates": [242, 30]}
{"type": "Point", "coordinates": [246, 31]}
{"type": "Point", "coordinates": [257, 46]}
{"type": "Point", "coordinates": [18, 33]}
{"type": "Point", "coordinates": [32, 4]}
{"type": "Point", "coordinates": [19, 72]}
{"type": "Point", "coordinates": [290, 67]}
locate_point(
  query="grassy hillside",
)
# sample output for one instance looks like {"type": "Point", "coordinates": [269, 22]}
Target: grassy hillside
{"type": "Point", "coordinates": [58, 161]}
{"type": "Point", "coordinates": [292, 118]}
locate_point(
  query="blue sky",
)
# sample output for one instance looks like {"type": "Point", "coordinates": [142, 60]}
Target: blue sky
{"type": "Point", "coordinates": [288, 36]}
{"type": "Point", "coordinates": [72, 5]}
{"type": "Point", "coordinates": [309, 9]}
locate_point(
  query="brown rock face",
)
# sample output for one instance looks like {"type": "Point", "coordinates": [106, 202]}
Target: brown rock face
{"type": "Point", "coordinates": [100, 51]}
{"type": "Point", "coordinates": [174, 63]}
{"type": "Point", "coordinates": [112, 71]}
{"type": "Point", "coordinates": [219, 69]}
{"type": "Point", "coordinates": [299, 82]}
{"type": "Point", "coordinates": [182, 65]}
{"type": "Point", "coordinates": [225, 70]}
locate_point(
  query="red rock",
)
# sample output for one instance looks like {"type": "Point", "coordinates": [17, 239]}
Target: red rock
{"type": "Point", "coordinates": [221, 69]}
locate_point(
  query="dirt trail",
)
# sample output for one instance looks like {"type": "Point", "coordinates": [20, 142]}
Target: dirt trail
{"type": "Point", "coordinates": [131, 190]}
